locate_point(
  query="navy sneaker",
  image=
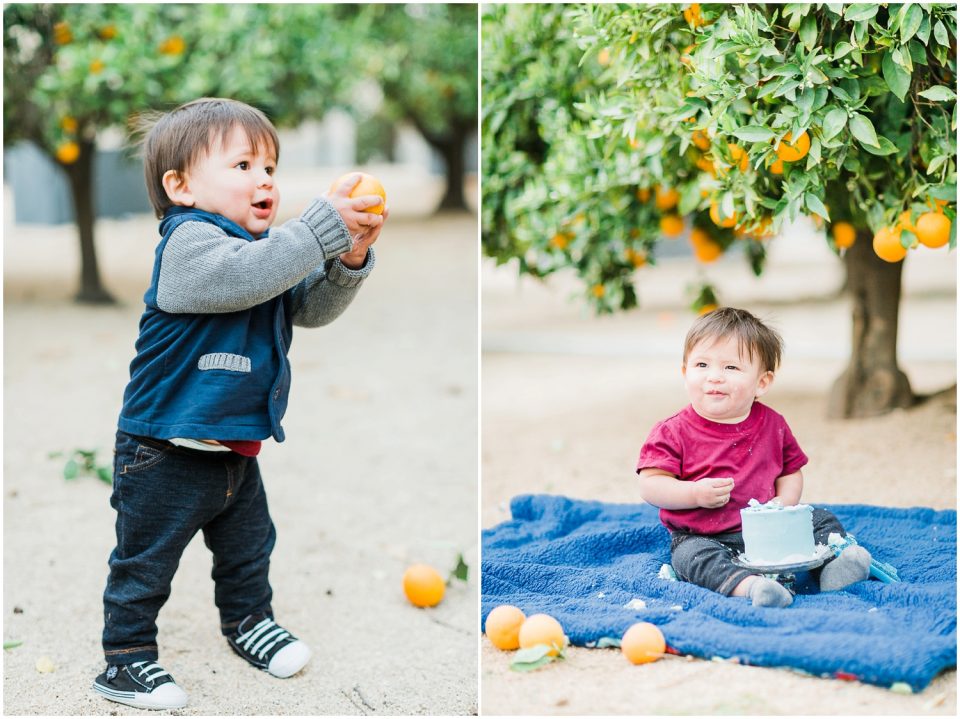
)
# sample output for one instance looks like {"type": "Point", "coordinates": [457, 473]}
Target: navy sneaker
{"type": "Point", "coordinates": [144, 685]}
{"type": "Point", "coordinates": [268, 646]}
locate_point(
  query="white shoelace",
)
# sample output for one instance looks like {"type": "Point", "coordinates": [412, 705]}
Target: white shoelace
{"type": "Point", "coordinates": [145, 674]}
{"type": "Point", "coordinates": [263, 637]}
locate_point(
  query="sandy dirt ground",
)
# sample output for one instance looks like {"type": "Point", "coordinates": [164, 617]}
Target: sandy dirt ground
{"type": "Point", "coordinates": [379, 471]}
{"type": "Point", "coordinates": [567, 399]}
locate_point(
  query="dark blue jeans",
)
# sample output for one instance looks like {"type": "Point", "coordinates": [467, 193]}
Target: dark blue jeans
{"type": "Point", "coordinates": [707, 559]}
{"type": "Point", "coordinates": [164, 495]}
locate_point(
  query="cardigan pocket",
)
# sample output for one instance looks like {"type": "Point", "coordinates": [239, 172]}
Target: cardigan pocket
{"type": "Point", "coordinates": [224, 361]}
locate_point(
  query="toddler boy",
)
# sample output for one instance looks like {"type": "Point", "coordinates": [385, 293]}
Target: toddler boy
{"type": "Point", "coordinates": [210, 382]}
{"type": "Point", "coordinates": [704, 464]}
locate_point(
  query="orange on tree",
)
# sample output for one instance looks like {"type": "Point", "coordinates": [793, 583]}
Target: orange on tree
{"type": "Point", "coordinates": [559, 241]}
{"type": "Point", "coordinates": [707, 309]}
{"type": "Point", "coordinates": [705, 249]}
{"type": "Point", "coordinates": [933, 229]}
{"type": "Point", "coordinates": [706, 164]}
{"type": "Point", "coordinates": [542, 629]}
{"type": "Point", "coordinates": [173, 45]}
{"type": "Point", "coordinates": [643, 194]}
{"type": "Point", "coordinates": [644, 642]}
{"type": "Point", "coordinates": [637, 259]}
{"type": "Point", "coordinates": [423, 585]}
{"type": "Point", "coordinates": [844, 235]}
{"type": "Point", "coordinates": [69, 123]}
{"type": "Point", "coordinates": [720, 220]}
{"type": "Point", "coordinates": [671, 225]}
{"type": "Point", "coordinates": [666, 199]}
{"type": "Point", "coordinates": [368, 185]}
{"type": "Point", "coordinates": [598, 290]}
{"type": "Point", "coordinates": [790, 151]}
{"type": "Point", "coordinates": [603, 57]}
{"type": "Point", "coordinates": [886, 244]}
{"type": "Point", "coordinates": [700, 139]}
{"type": "Point", "coordinates": [68, 152]}
{"type": "Point", "coordinates": [776, 167]}
{"type": "Point", "coordinates": [905, 223]}
{"type": "Point", "coordinates": [503, 626]}
{"type": "Point", "coordinates": [739, 156]}
{"type": "Point", "coordinates": [96, 67]}
{"type": "Point", "coordinates": [692, 15]}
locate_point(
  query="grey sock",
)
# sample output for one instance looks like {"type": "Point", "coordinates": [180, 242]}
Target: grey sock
{"type": "Point", "coordinates": [765, 592]}
{"type": "Point", "coordinates": [853, 565]}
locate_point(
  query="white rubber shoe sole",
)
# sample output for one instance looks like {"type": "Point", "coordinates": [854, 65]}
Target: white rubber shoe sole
{"type": "Point", "coordinates": [165, 696]}
{"type": "Point", "coordinates": [290, 660]}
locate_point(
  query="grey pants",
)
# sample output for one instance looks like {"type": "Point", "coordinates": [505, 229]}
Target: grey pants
{"type": "Point", "coordinates": [707, 559]}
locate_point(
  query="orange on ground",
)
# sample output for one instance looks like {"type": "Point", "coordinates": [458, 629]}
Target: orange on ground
{"type": "Point", "coordinates": [776, 167]}
{"type": "Point", "coordinates": [886, 243]}
{"type": "Point", "coordinates": [789, 151]}
{"type": "Point", "coordinates": [542, 629]}
{"type": "Point", "coordinates": [700, 139]}
{"type": "Point", "coordinates": [68, 152]}
{"type": "Point", "coordinates": [503, 626]}
{"type": "Point", "coordinates": [666, 199]}
{"type": "Point", "coordinates": [933, 229]}
{"type": "Point", "coordinates": [423, 585]}
{"type": "Point", "coordinates": [721, 221]}
{"type": "Point", "coordinates": [644, 642]}
{"type": "Point", "coordinates": [844, 235]}
{"type": "Point", "coordinates": [368, 185]}
{"type": "Point", "coordinates": [671, 225]}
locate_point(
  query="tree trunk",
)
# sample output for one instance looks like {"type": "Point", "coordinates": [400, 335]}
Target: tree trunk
{"type": "Point", "coordinates": [452, 151]}
{"type": "Point", "coordinates": [80, 175]}
{"type": "Point", "coordinates": [873, 383]}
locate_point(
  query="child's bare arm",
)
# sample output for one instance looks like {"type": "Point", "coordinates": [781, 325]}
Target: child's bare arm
{"type": "Point", "coordinates": [789, 487]}
{"type": "Point", "coordinates": [664, 490]}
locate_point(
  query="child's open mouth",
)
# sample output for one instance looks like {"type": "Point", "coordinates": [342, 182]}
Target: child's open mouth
{"type": "Point", "coordinates": [263, 208]}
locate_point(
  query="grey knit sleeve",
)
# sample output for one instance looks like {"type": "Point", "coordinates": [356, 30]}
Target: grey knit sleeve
{"type": "Point", "coordinates": [328, 291]}
{"type": "Point", "coordinates": [205, 270]}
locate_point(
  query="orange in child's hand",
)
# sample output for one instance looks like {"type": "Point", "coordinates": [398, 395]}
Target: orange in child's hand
{"type": "Point", "coordinates": [503, 626]}
{"type": "Point", "coordinates": [423, 585]}
{"type": "Point", "coordinates": [542, 629]}
{"type": "Point", "coordinates": [368, 185]}
{"type": "Point", "coordinates": [643, 643]}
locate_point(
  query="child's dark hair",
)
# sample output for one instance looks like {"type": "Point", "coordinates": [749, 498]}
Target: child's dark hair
{"type": "Point", "coordinates": [752, 334]}
{"type": "Point", "coordinates": [177, 139]}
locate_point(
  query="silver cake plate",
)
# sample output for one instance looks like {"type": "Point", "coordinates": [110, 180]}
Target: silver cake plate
{"type": "Point", "coordinates": [822, 554]}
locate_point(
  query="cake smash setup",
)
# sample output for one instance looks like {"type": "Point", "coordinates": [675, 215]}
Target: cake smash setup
{"type": "Point", "coordinates": [778, 540]}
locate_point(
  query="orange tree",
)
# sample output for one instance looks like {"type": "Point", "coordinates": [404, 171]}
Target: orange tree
{"type": "Point", "coordinates": [71, 71]}
{"type": "Point", "coordinates": [740, 118]}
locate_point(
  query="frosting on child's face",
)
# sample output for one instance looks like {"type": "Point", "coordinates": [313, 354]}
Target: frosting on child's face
{"type": "Point", "coordinates": [237, 183]}
{"type": "Point", "coordinates": [722, 381]}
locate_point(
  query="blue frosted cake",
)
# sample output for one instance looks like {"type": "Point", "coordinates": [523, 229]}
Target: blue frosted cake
{"type": "Point", "coordinates": [774, 534]}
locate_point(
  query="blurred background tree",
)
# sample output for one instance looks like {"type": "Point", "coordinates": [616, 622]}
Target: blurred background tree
{"type": "Point", "coordinates": [424, 57]}
{"type": "Point", "coordinates": [739, 118]}
{"type": "Point", "coordinates": [72, 71]}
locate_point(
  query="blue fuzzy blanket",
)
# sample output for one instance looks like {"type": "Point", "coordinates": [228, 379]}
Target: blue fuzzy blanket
{"type": "Point", "coordinates": [585, 562]}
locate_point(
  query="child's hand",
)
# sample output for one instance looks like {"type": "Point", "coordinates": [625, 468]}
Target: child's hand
{"type": "Point", "coordinates": [351, 209]}
{"type": "Point", "coordinates": [713, 492]}
{"type": "Point", "coordinates": [355, 258]}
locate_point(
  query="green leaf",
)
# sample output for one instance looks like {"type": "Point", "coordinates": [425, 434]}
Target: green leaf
{"type": "Point", "coordinates": [842, 48]}
{"type": "Point", "coordinates": [897, 79]}
{"type": "Point", "coordinates": [862, 129]}
{"type": "Point", "coordinates": [944, 192]}
{"type": "Point", "coordinates": [11, 645]}
{"type": "Point", "coordinates": [105, 475]}
{"type": "Point", "coordinates": [911, 22]}
{"type": "Point", "coordinates": [860, 11]}
{"type": "Point", "coordinates": [808, 31]}
{"type": "Point", "coordinates": [885, 147]}
{"type": "Point", "coordinates": [814, 204]}
{"type": "Point", "coordinates": [940, 34]}
{"type": "Point", "coordinates": [71, 469]}
{"type": "Point", "coordinates": [461, 570]}
{"type": "Point", "coordinates": [754, 133]}
{"type": "Point", "coordinates": [833, 123]}
{"type": "Point", "coordinates": [525, 660]}
{"type": "Point", "coordinates": [938, 93]}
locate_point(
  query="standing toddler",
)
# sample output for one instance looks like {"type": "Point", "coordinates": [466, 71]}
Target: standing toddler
{"type": "Point", "coordinates": [210, 382]}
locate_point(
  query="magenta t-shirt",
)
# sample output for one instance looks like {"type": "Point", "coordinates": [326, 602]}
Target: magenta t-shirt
{"type": "Point", "coordinates": [755, 452]}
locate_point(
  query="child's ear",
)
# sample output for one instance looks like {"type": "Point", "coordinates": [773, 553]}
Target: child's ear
{"type": "Point", "coordinates": [763, 384]}
{"type": "Point", "coordinates": [177, 188]}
